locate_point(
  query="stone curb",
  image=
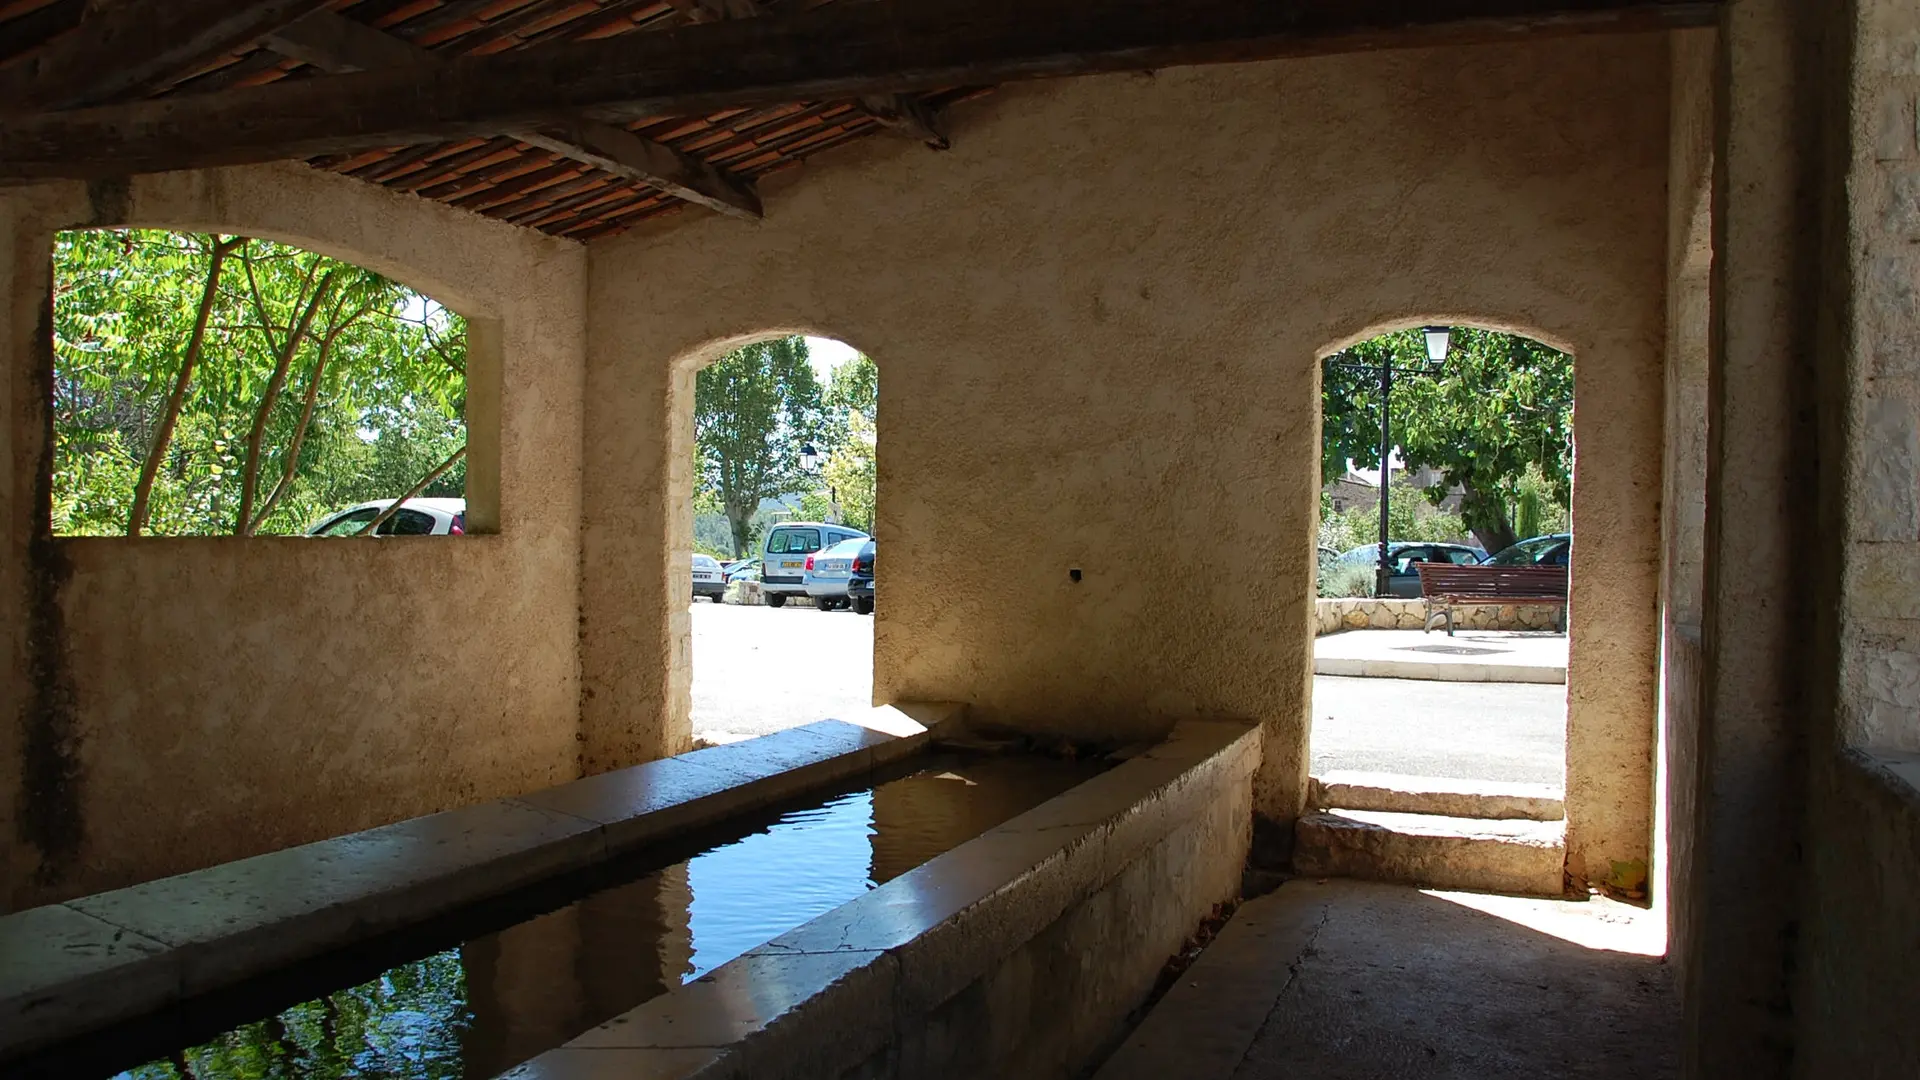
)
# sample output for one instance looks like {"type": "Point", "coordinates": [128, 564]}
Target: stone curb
{"type": "Point", "coordinates": [831, 995]}
{"type": "Point", "coordinates": [70, 968]}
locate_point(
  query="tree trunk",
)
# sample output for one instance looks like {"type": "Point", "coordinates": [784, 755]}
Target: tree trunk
{"type": "Point", "coordinates": [292, 460]}
{"type": "Point", "coordinates": [163, 435]}
{"type": "Point", "coordinates": [251, 481]}
{"type": "Point", "coordinates": [740, 520]}
{"type": "Point", "coordinates": [1486, 515]}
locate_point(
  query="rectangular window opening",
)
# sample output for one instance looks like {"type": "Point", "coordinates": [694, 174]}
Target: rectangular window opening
{"type": "Point", "coordinates": [206, 384]}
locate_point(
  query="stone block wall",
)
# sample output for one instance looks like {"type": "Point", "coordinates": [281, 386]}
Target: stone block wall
{"type": "Point", "coordinates": [1365, 613]}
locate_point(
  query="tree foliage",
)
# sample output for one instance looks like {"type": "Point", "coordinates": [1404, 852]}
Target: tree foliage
{"type": "Point", "coordinates": [208, 384]}
{"type": "Point", "coordinates": [753, 409]}
{"type": "Point", "coordinates": [1498, 412]}
{"type": "Point", "coordinates": [850, 477]}
{"type": "Point", "coordinates": [410, 1022]}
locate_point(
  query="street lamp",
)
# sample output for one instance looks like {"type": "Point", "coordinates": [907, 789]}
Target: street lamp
{"type": "Point", "coordinates": [810, 461]}
{"type": "Point", "coordinates": [1439, 341]}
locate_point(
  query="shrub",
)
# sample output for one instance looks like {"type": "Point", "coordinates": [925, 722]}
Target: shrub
{"type": "Point", "coordinates": [1346, 580]}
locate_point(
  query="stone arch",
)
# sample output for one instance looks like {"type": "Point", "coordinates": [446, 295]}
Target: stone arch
{"type": "Point", "coordinates": [1612, 715]}
{"type": "Point", "coordinates": [677, 510]}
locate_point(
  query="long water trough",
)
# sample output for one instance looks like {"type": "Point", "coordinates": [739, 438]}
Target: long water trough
{"type": "Point", "coordinates": [827, 907]}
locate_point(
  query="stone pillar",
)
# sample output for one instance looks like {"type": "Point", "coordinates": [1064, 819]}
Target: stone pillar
{"type": "Point", "coordinates": [1881, 647]}
{"type": "Point", "coordinates": [636, 659]}
{"type": "Point", "coordinates": [1760, 548]}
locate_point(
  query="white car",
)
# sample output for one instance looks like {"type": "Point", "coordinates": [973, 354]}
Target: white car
{"type": "Point", "coordinates": [708, 581]}
{"type": "Point", "coordinates": [417, 517]}
{"type": "Point", "coordinates": [786, 551]}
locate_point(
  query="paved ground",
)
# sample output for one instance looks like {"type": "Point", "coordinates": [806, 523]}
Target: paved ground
{"type": "Point", "coordinates": [1515, 732]}
{"type": "Point", "coordinates": [1353, 980]}
{"type": "Point", "coordinates": [1469, 656]}
{"type": "Point", "coordinates": [758, 670]}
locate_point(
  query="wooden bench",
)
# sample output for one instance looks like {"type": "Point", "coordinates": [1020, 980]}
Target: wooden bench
{"type": "Point", "coordinates": [1445, 586]}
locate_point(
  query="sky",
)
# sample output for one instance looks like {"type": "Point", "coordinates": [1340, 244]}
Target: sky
{"type": "Point", "coordinates": [825, 354]}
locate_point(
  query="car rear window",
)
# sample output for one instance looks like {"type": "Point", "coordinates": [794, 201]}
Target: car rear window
{"type": "Point", "coordinates": [793, 542]}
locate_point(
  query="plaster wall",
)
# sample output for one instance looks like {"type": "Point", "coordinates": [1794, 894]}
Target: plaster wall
{"type": "Point", "coordinates": [1684, 503]}
{"type": "Point", "coordinates": [190, 701]}
{"type": "Point", "coordinates": [1098, 319]}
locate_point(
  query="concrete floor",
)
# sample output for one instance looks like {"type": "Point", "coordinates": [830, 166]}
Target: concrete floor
{"type": "Point", "coordinates": [1469, 656]}
{"type": "Point", "coordinates": [757, 670]}
{"type": "Point", "coordinates": [1512, 732]}
{"type": "Point", "coordinates": [1352, 980]}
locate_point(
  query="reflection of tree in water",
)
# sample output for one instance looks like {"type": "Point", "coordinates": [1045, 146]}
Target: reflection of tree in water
{"type": "Point", "coordinates": [405, 1024]}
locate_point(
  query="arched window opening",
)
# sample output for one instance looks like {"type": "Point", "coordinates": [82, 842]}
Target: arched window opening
{"type": "Point", "coordinates": [208, 384]}
{"type": "Point", "coordinates": [783, 498]}
{"type": "Point", "coordinates": [1445, 549]}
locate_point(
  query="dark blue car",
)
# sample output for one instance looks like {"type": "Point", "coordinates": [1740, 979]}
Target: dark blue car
{"type": "Point", "coordinates": [860, 581]}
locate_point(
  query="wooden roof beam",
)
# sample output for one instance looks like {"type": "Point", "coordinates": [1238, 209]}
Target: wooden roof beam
{"type": "Point", "coordinates": [830, 53]}
{"type": "Point", "coordinates": [133, 46]}
{"type": "Point", "coordinates": [900, 113]}
{"type": "Point", "coordinates": [335, 43]}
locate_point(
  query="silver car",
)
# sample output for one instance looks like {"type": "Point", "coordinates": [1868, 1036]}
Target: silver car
{"type": "Point", "coordinates": [827, 573]}
{"type": "Point", "coordinates": [708, 581]}
{"type": "Point", "coordinates": [786, 550]}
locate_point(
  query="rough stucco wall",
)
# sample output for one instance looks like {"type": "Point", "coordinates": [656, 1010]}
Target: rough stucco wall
{"type": "Point", "coordinates": [1098, 319]}
{"type": "Point", "coordinates": [1760, 627]}
{"type": "Point", "coordinates": [236, 696]}
{"type": "Point", "coordinates": [1683, 517]}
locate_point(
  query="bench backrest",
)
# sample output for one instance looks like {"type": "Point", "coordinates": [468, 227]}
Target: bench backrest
{"type": "Point", "coordinates": [1445, 579]}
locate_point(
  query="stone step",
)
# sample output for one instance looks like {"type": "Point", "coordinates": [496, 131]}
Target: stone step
{"type": "Point", "coordinates": [1393, 792]}
{"type": "Point", "coordinates": [1510, 856]}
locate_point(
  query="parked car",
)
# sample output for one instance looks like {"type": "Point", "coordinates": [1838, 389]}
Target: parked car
{"type": "Point", "coordinates": [1554, 550]}
{"type": "Point", "coordinates": [1405, 581]}
{"type": "Point", "coordinates": [860, 580]}
{"type": "Point", "coordinates": [1328, 557]}
{"type": "Point", "coordinates": [828, 572]}
{"type": "Point", "coordinates": [743, 570]}
{"type": "Point", "coordinates": [708, 581]}
{"type": "Point", "coordinates": [418, 517]}
{"type": "Point", "coordinates": [784, 555]}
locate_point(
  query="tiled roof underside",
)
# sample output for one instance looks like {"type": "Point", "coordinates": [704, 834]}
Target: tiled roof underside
{"type": "Point", "coordinates": [502, 177]}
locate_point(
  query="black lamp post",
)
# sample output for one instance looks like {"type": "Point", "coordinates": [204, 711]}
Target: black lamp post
{"type": "Point", "coordinates": [810, 461]}
{"type": "Point", "coordinates": [1439, 340]}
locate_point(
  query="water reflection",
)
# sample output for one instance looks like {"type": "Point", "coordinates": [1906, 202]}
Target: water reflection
{"type": "Point", "coordinates": [501, 998]}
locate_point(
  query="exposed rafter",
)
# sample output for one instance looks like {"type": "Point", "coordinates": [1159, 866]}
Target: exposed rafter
{"type": "Point", "coordinates": [132, 46]}
{"type": "Point", "coordinates": [835, 52]}
{"type": "Point", "coordinates": [338, 44]}
{"type": "Point", "coordinates": [902, 113]}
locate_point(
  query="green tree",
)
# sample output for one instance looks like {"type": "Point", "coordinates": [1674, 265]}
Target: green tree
{"type": "Point", "coordinates": [854, 390]}
{"type": "Point", "coordinates": [753, 409]}
{"type": "Point", "coordinates": [851, 475]}
{"type": "Point", "coordinates": [208, 384]}
{"type": "Point", "coordinates": [1499, 410]}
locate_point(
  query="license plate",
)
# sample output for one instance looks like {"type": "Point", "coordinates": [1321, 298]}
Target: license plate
{"type": "Point", "coordinates": [791, 565]}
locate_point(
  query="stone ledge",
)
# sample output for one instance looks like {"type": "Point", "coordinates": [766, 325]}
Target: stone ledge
{"type": "Point", "coordinates": [66, 969]}
{"type": "Point", "coordinates": [1435, 795]}
{"type": "Point", "coordinates": [840, 994]}
{"type": "Point", "coordinates": [1525, 857]}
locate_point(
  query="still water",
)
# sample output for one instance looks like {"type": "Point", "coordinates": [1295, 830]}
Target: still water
{"type": "Point", "coordinates": [497, 999]}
